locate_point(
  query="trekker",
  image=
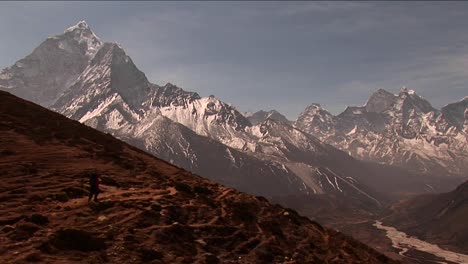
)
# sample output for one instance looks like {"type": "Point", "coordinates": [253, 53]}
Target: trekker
{"type": "Point", "coordinates": [93, 186]}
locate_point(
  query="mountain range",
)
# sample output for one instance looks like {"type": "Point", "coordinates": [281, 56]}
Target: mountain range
{"type": "Point", "coordinates": [332, 168]}
{"type": "Point", "coordinates": [398, 129]}
{"type": "Point", "coordinates": [149, 212]}
{"type": "Point", "coordinates": [394, 145]}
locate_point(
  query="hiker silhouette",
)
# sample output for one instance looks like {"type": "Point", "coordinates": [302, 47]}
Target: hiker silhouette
{"type": "Point", "coordinates": [94, 186]}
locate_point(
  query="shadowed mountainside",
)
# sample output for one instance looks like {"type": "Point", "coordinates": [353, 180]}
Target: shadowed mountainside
{"type": "Point", "coordinates": [150, 211]}
{"type": "Point", "coordinates": [438, 218]}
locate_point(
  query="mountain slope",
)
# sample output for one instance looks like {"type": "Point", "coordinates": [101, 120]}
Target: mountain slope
{"type": "Point", "coordinates": [112, 95]}
{"type": "Point", "coordinates": [437, 218]}
{"type": "Point", "coordinates": [150, 211]}
{"type": "Point", "coordinates": [457, 114]}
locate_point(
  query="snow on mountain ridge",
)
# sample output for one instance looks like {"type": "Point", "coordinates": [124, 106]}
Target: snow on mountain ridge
{"type": "Point", "coordinates": [403, 130]}
{"type": "Point", "coordinates": [208, 116]}
{"type": "Point", "coordinates": [83, 34]}
{"type": "Point", "coordinates": [110, 78]}
{"type": "Point", "coordinates": [52, 67]}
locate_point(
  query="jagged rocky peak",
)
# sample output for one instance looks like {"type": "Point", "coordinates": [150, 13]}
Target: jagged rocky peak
{"type": "Point", "coordinates": [52, 67]}
{"type": "Point", "coordinates": [80, 26]}
{"type": "Point", "coordinates": [266, 125]}
{"type": "Point", "coordinates": [409, 100]}
{"type": "Point", "coordinates": [315, 120]}
{"type": "Point", "coordinates": [314, 107]}
{"type": "Point", "coordinates": [86, 38]}
{"type": "Point", "coordinates": [111, 76]}
{"type": "Point", "coordinates": [260, 116]}
{"type": "Point", "coordinates": [170, 94]}
{"type": "Point", "coordinates": [457, 113]}
{"type": "Point", "coordinates": [314, 110]}
{"type": "Point", "coordinates": [225, 113]}
{"type": "Point", "coordinates": [380, 101]}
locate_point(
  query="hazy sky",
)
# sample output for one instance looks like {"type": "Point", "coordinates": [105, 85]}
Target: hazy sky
{"type": "Point", "coordinates": [265, 55]}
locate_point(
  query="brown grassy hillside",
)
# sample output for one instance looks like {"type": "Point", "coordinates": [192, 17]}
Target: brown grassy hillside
{"type": "Point", "coordinates": [150, 211]}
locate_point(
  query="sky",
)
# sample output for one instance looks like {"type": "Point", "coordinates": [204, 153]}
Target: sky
{"type": "Point", "coordinates": [269, 55]}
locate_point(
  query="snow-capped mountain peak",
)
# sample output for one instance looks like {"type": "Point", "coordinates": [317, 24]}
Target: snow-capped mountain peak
{"type": "Point", "coordinates": [80, 25]}
{"type": "Point", "coordinates": [53, 66]}
{"type": "Point", "coordinates": [110, 80]}
{"type": "Point", "coordinates": [316, 120]}
{"type": "Point", "coordinates": [315, 109]}
{"type": "Point", "coordinates": [409, 100]}
{"type": "Point", "coordinates": [83, 34]}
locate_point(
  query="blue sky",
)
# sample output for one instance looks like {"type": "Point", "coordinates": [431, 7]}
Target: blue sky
{"type": "Point", "coordinates": [269, 55]}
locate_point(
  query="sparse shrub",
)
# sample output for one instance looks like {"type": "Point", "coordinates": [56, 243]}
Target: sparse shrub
{"type": "Point", "coordinates": [18, 191]}
{"type": "Point", "coordinates": [36, 198]}
{"type": "Point", "coordinates": [156, 207]}
{"type": "Point", "coordinates": [75, 192]}
{"type": "Point", "coordinates": [202, 190]}
{"type": "Point", "coordinates": [143, 203]}
{"type": "Point", "coordinates": [38, 219]}
{"type": "Point", "coordinates": [107, 180]}
{"type": "Point", "coordinates": [266, 253]}
{"type": "Point", "coordinates": [182, 187]}
{"type": "Point", "coordinates": [61, 197]}
{"type": "Point", "coordinates": [211, 259]}
{"type": "Point", "coordinates": [244, 212]}
{"type": "Point", "coordinates": [149, 255]}
{"type": "Point", "coordinates": [101, 206]}
{"type": "Point", "coordinates": [29, 168]}
{"type": "Point", "coordinates": [146, 219]}
{"type": "Point", "coordinates": [248, 246]}
{"type": "Point", "coordinates": [46, 247]}
{"type": "Point", "coordinates": [23, 232]}
{"type": "Point", "coordinates": [174, 234]}
{"type": "Point", "coordinates": [127, 164]}
{"type": "Point", "coordinates": [7, 152]}
{"type": "Point", "coordinates": [273, 227]}
{"type": "Point", "coordinates": [72, 239]}
{"type": "Point", "coordinates": [33, 257]}
{"type": "Point", "coordinates": [261, 199]}
{"type": "Point", "coordinates": [175, 214]}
